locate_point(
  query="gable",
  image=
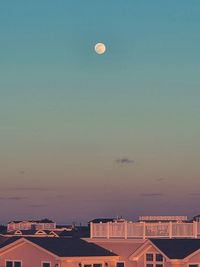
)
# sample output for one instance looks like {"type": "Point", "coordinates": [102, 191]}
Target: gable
{"type": "Point", "coordinates": [26, 252]}
{"type": "Point", "coordinates": [147, 247]}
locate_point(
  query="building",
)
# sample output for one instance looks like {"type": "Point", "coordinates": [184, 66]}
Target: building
{"type": "Point", "coordinates": [44, 224]}
{"type": "Point", "coordinates": [168, 252]}
{"type": "Point", "coordinates": [74, 252]}
{"type": "Point", "coordinates": [145, 230]}
{"type": "Point", "coordinates": [155, 252]}
{"type": "Point", "coordinates": [53, 252]}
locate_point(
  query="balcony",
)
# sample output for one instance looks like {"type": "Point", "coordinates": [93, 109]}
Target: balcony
{"type": "Point", "coordinates": [144, 230]}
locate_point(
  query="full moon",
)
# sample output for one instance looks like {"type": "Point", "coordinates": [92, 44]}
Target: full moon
{"type": "Point", "coordinates": [100, 48]}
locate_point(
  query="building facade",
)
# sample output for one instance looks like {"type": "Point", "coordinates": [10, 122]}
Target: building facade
{"type": "Point", "coordinates": [44, 224]}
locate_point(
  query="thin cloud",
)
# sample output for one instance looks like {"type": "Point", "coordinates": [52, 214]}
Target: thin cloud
{"type": "Point", "coordinates": [17, 198]}
{"type": "Point", "coordinates": [124, 161]}
{"type": "Point", "coordinates": [60, 196]}
{"type": "Point", "coordinates": [195, 194]}
{"type": "Point", "coordinates": [14, 198]}
{"type": "Point", "coordinates": [37, 205]}
{"type": "Point", "coordinates": [160, 179]}
{"type": "Point", "coordinates": [29, 189]}
{"type": "Point", "coordinates": [152, 195]}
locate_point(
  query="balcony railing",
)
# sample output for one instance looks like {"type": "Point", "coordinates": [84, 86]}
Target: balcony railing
{"type": "Point", "coordinates": [128, 230]}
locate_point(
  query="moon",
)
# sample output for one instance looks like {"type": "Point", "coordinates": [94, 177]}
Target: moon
{"type": "Point", "coordinates": [100, 48]}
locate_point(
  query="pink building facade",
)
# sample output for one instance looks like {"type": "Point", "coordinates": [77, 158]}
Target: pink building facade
{"type": "Point", "coordinates": [30, 225]}
{"type": "Point", "coordinates": [155, 252]}
{"type": "Point", "coordinates": [39, 252]}
{"type": "Point", "coordinates": [64, 252]}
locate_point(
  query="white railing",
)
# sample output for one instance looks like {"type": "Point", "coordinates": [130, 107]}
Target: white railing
{"type": "Point", "coordinates": [128, 230]}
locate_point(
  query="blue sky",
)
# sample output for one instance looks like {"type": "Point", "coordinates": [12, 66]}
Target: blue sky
{"type": "Point", "coordinates": [67, 114]}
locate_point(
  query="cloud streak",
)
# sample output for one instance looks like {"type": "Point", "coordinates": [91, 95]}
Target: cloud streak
{"type": "Point", "coordinates": [160, 179]}
{"type": "Point", "coordinates": [14, 198]}
{"type": "Point", "coordinates": [37, 205]}
{"type": "Point", "coordinates": [42, 189]}
{"type": "Point", "coordinates": [194, 194]}
{"type": "Point", "coordinates": [152, 195]}
{"type": "Point", "coordinates": [124, 161]}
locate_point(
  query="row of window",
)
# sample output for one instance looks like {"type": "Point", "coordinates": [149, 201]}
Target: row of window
{"type": "Point", "coordinates": [149, 257]}
{"type": "Point", "coordinates": [19, 264]}
{"type": "Point", "coordinates": [47, 264]}
{"type": "Point", "coordinates": [154, 265]}
{"type": "Point", "coordinates": [154, 257]}
{"type": "Point", "coordinates": [154, 260]}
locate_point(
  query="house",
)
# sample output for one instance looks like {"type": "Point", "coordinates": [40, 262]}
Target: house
{"type": "Point", "coordinates": [168, 252]}
{"type": "Point", "coordinates": [53, 252]}
{"type": "Point", "coordinates": [74, 252]}
{"type": "Point", "coordinates": [123, 248]}
{"type": "Point", "coordinates": [44, 224]}
{"type": "Point", "coordinates": [155, 252]}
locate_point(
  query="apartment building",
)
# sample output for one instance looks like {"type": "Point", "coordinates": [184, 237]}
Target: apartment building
{"type": "Point", "coordinates": [44, 224]}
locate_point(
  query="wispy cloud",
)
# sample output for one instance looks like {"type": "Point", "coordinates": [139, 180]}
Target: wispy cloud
{"type": "Point", "coordinates": [26, 189]}
{"type": "Point", "coordinates": [124, 161]}
{"type": "Point", "coordinates": [152, 195]}
{"type": "Point", "coordinates": [14, 198]}
{"type": "Point", "coordinates": [195, 194]}
{"type": "Point", "coordinates": [60, 196]}
{"type": "Point", "coordinates": [161, 179]}
{"type": "Point", "coordinates": [37, 205]}
{"type": "Point", "coordinates": [17, 198]}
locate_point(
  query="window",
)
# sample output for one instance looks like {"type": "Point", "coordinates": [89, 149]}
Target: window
{"type": "Point", "coordinates": [154, 260]}
{"type": "Point", "coordinates": [46, 264]}
{"type": "Point", "coordinates": [149, 257]}
{"type": "Point", "coordinates": [9, 264]}
{"type": "Point", "coordinates": [120, 264]}
{"type": "Point", "coordinates": [13, 264]}
{"type": "Point", "coordinates": [97, 265]}
{"type": "Point", "coordinates": [193, 265]}
{"type": "Point", "coordinates": [159, 257]}
{"type": "Point", "coordinates": [87, 265]}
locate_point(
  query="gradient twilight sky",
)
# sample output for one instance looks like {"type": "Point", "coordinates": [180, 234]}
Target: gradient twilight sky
{"type": "Point", "coordinates": [85, 136]}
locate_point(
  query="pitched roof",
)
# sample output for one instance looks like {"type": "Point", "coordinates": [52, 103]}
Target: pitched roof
{"type": "Point", "coordinates": [177, 248]}
{"type": "Point", "coordinates": [4, 241]}
{"type": "Point", "coordinates": [70, 247]}
{"type": "Point", "coordinates": [66, 233]}
{"type": "Point", "coordinates": [62, 247]}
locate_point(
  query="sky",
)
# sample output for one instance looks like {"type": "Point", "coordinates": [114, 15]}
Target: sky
{"type": "Point", "coordinates": [84, 135]}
